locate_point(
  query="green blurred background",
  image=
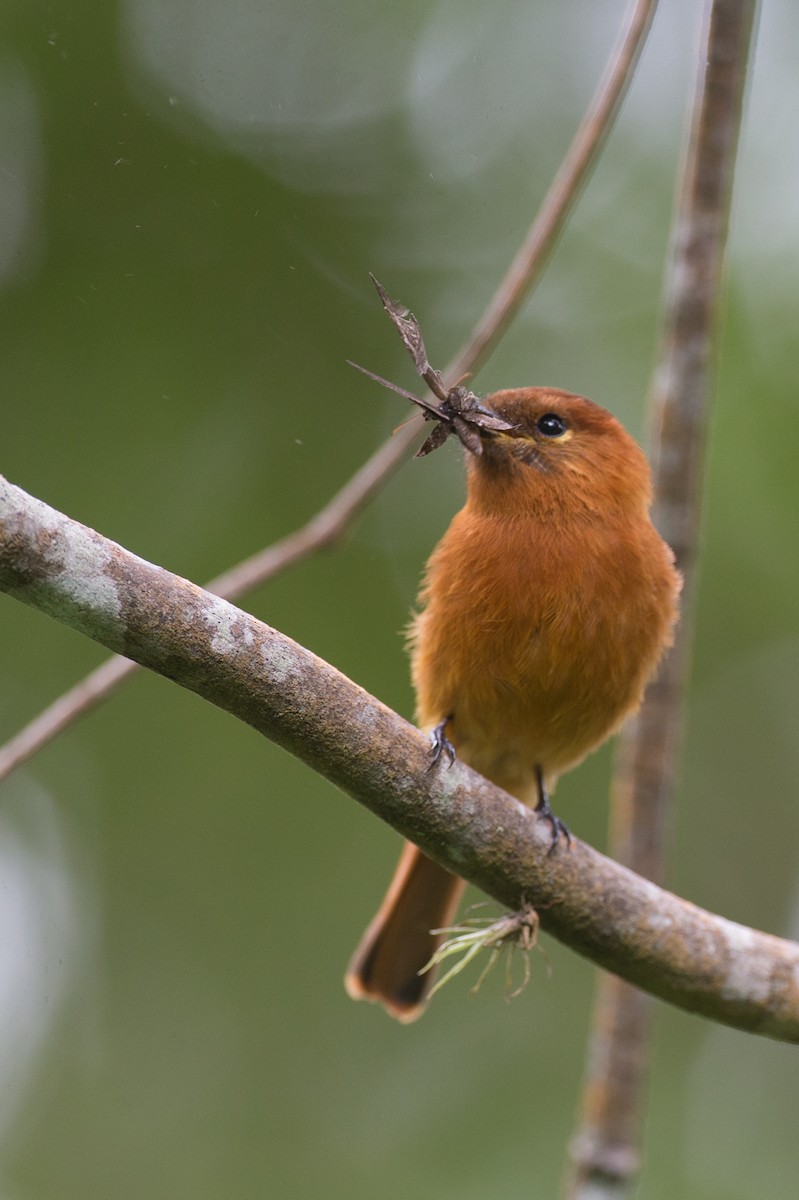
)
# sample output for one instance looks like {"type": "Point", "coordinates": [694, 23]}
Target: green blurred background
{"type": "Point", "coordinates": [191, 196]}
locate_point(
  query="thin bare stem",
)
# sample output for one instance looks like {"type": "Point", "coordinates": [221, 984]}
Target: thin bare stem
{"type": "Point", "coordinates": [331, 522]}
{"type": "Point", "coordinates": [606, 1151]}
{"type": "Point", "coordinates": [701, 962]}
{"type": "Point", "coordinates": [532, 255]}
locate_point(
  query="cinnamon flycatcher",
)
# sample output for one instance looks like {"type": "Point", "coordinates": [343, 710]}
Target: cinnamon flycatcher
{"type": "Point", "coordinates": [543, 613]}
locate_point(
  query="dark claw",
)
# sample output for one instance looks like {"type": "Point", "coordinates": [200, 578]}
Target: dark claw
{"type": "Point", "coordinates": [543, 810]}
{"type": "Point", "coordinates": [440, 744]}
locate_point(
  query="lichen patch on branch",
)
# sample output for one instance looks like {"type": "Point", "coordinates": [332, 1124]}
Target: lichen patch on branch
{"type": "Point", "coordinates": [53, 562]}
{"type": "Point", "coordinates": [228, 632]}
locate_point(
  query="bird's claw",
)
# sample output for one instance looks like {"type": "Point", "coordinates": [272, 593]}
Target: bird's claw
{"type": "Point", "coordinates": [542, 809]}
{"type": "Point", "coordinates": [559, 828]}
{"type": "Point", "coordinates": [440, 745]}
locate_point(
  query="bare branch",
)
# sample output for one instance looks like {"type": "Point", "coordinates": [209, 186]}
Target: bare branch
{"type": "Point", "coordinates": [606, 1151]}
{"type": "Point", "coordinates": [532, 255]}
{"type": "Point", "coordinates": [331, 522]}
{"type": "Point", "coordinates": [700, 962]}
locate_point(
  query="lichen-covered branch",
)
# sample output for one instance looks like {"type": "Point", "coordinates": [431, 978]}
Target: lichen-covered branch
{"type": "Point", "coordinates": [701, 962]}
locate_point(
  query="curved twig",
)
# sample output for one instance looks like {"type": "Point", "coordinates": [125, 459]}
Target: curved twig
{"type": "Point", "coordinates": [532, 255]}
{"type": "Point", "coordinates": [330, 523]}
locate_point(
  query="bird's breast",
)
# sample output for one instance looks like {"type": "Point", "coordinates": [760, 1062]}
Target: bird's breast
{"type": "Point", "coordinates": [537, 640]}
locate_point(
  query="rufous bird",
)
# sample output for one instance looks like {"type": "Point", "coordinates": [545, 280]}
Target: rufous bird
{"type": "Point", "coordinates": [543, 613]}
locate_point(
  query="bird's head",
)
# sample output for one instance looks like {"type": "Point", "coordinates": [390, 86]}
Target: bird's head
{"type": "Point", "coordinates": [559, 452]}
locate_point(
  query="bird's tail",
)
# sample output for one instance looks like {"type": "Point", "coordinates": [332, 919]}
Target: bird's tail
{"type": "Point", "coordinates": [399, 942]}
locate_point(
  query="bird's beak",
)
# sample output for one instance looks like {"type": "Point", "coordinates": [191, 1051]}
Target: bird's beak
{"type": "Point", "coordinates": [475, 424]}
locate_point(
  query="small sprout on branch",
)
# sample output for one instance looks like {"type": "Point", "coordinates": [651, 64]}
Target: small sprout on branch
{"type": "Point", "coordinates": [518, 930]}
{"type": "Point", "coordinates": [460, 411]}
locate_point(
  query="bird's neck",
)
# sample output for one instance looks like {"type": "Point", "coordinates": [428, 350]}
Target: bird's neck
{"type": "Point", "coordinates": [514, 491]}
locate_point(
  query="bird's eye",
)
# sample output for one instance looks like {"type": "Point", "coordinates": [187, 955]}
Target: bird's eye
{"type": "Point", "coordinates": [551, 425]}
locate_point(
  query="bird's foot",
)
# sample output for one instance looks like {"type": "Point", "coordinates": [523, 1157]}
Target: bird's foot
{"type": "Point", "coordinates": [542, 809]}
{"type": "Point", "coordinates": [441, 745]}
